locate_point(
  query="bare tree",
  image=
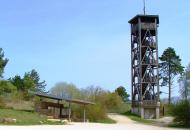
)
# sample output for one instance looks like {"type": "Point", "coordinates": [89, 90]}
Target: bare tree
{"type": "Point", "coordinates": [184, 83]}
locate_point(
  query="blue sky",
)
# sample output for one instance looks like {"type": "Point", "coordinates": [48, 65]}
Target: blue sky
{"type": "Point", "coordinates": [86, 42]}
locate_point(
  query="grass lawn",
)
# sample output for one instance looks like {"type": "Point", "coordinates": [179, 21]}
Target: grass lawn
{"type": "Point", "coordinates": [33, 118]}
{"type": "Point", "coordinates": [151, 122]}
{"type": "Point", "coordinates": [178, 125]}
{"type": "Point", "coordinates": [23, 117]}
{"type": "Point", "coordinates": [107, 121]}
{"type": "Point", "coordinates": [138, 118]}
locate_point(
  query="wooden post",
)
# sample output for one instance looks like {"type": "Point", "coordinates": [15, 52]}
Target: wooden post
{"type": "Point", "coordinates": [84, 114]}
{"type": "Point", "coordinates": [60, 109]}
{"type": "Point", "coordinates": [69, 111]}
{"type": "Point", "coordinates": [60, 112]}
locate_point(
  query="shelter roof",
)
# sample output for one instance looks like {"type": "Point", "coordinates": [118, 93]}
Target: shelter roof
{"type": "Point", "coordinates": [51, 96]}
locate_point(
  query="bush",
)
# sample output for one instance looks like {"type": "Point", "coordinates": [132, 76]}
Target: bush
{"type": "Point", "coordinates": [6, 87]}
{"type": "Point", "coordinates": [95, 113]}
{"type": "Point", "coordinates": [2, 103]}
{"type": "Point", "coordinates": [181, 112]}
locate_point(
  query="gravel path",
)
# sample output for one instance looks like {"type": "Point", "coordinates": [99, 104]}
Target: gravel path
{"type": "Point", "coordinates": [123, 123]}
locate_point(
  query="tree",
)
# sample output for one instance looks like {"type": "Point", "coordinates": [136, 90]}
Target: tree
{"type": "Point", "coordinates": [67, 90]}
{"type": "Point", "coordinates": [170, 67]}
{"type": "Point", "coordinates": [92, 92]}
{"type": "Point", "coordinates": [112, 101]}
{"type": "Point", "coordinates": [122, 93]}
{"type": "Point", "coordinates": [184, 83]}
{"type": "Point", "coordinates": [3, 62]}
{"type": "Point", "coordinates": [31, 81]}
{"type": "Point", "coordinates": [18, 82]}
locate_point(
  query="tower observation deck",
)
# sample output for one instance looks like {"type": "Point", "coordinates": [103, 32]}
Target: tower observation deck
{"type": "Point", "coordinates": [144, 66]}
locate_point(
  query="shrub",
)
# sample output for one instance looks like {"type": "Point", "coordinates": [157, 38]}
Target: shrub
{"type": "Point", "coordinates": [2, 103]}
{"type": "Point", "coordinates": [181, 112]}
{"type": "Point", "coordinates": [95, 113]}
{"type": "Point", "coordinates": [6, 87]}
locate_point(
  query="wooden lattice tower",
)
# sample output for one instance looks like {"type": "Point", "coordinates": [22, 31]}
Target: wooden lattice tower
{"type": "Point", "coordinates": [144, 66]}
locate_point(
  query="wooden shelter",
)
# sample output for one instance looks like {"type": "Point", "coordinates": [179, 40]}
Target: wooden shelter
{"type": "Point", "coordinates": [56, 108]}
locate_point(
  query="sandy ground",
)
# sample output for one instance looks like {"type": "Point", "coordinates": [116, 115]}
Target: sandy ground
{"type": "Point", "coordinates": [123, 123]}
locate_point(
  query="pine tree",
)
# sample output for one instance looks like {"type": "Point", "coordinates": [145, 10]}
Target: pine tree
{"type": "Point", "coordinates": [170, 67]}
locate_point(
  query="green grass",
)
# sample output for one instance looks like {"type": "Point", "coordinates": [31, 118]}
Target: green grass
{"type": "Point", "coordinates": [23, 117]}
{"type": "Point", "coordinates": [178, 125]}
{"type": "Point", "coordinates": [138, 118]}
{"type": "Point", "coordinates": [32, 118]}
{"type": "Point", "coordinates": [106, 121]}
{"type": "Point", "coordinates": [152, 122]}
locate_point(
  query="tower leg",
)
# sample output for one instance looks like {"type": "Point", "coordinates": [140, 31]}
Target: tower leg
{"type": "Point", "coordinates": [158, 110]}
{"type": "Point", "coordinates": [142, 112]}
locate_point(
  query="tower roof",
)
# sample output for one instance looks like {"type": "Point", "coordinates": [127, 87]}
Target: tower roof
{"type": "Point", "coordinates": [144, 18]}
